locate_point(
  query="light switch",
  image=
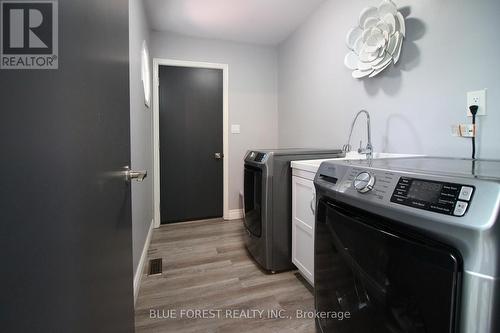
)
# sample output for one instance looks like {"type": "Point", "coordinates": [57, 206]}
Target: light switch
{"type": "Point", "coordinates": [235, 129]}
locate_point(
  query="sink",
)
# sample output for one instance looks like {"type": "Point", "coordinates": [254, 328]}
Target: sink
{"type": "Point", "coordinates": [313, 165]}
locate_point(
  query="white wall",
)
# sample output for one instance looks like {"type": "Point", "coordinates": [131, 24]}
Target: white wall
{"type": "Point", "coordinates": [452, 47]}
{"type": "Point", "coordinates": [252, 92]}
{"type": "Point", "coordinates": [140, 132]}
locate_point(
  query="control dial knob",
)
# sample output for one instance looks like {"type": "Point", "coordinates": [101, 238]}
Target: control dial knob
{"type": "Point", "coordinates": [364, 182]}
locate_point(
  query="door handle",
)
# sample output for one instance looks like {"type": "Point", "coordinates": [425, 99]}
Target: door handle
{"type": "Point", "coordinates": [218, 156]}
{"type": "Point", "coordinates": [312, 204]}
{"type": "Point", "coordinates": [138, 176]}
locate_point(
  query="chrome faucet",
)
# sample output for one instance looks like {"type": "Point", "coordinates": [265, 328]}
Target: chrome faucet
{"type": "Point", "coordinates": [368, 150]}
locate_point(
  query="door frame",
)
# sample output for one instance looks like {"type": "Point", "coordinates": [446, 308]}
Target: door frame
{"type": "Point", "coordinates": [157, 62]}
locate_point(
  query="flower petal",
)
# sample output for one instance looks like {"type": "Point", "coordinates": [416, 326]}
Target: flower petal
{"type": "Point", "coordinates": [381, 52]}
{"type": "Point", "coordinates": [358, 45]}
{"type": "Point", "coordinates": [366, 56]}
{"type": "Point", "coordinates": [364, 66]}
{"type": "Point", "coordinates": [384, 27]}
{"type": "Point", "coordinates": [371, 48]}
{"type": "Point", "coordinates": [387, 7]}
{"type": "Point", "coordinates": [365, 34]}
{"type": "Point", "coordinates": [373, 40]}
{"type": "Point", "coordinates": [351, 60]}
{"type": "Point", "coordinates": [381, 42]}
{"type": "Point", "coordinates": [393, 42]}
{"type": "Point", "coordinates": [391, 22]}
{"type": "Point", "coordinates": [386, 60]}
{"type": "Point", "coordinates": [401, 24]}
{"type": "Point", "coordinates": [397, 52]}
{"type": "Point", "coordinates": [357, 74]}
{"type": "Point", "coordinates": [353, 34]}
{"type": "Point", "coordinates": [371, 22]}
{"type": "Point", "coordinates": [374, 36]}
{"type": "Point", "coordinates": [366, 13]}
{"type": "Point", "coordinates": [378, 60]}
{"type": "Point", "coordinates": [377, 71]}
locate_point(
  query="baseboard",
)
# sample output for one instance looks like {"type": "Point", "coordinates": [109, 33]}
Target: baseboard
{"type": "Point", "coordinates": [235, 214]}
{"type": "Point", "coordinates": [140, 267]}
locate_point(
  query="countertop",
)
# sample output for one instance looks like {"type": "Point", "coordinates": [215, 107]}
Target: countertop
{"type": "Point", "coordinates": [313, 165]}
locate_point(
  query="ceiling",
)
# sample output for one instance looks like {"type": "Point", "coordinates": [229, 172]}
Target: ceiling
{"type": "Point", "coordinates": [249, 21]}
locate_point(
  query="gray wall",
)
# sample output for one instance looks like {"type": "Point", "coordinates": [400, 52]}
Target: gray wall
{"type": "Point", "coordinates": [452, 47]}
{"type": "Point", "coordinates": [140, 132]}
{"type": "Point", "coordinates": [252, 92]}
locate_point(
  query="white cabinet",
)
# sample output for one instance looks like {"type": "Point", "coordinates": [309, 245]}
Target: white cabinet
{"type": "Point", "coordinates": [303, 205]}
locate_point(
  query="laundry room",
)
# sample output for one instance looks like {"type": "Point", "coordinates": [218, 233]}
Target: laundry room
{"type": "Point", "coordinates": [250, 166]}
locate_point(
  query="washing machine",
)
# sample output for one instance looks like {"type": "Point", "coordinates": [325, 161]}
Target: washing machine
{"type": "Point", "coordinates": [408, 245]}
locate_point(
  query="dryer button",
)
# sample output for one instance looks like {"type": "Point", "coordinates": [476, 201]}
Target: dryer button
{"type": "Point", "coordinates": [465, 193]}
{"type": "Point", "coordinates": [460, 208]}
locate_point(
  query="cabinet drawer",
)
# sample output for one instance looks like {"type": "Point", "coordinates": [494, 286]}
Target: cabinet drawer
{"type": "Point", "coordinates": [303, 174]}
{"type": "Point", "coordinates": [303, 251]}
{"type": "Point", "coordinates": [303, 201]}
{"type": "Point", "coordinates": [303, 205]}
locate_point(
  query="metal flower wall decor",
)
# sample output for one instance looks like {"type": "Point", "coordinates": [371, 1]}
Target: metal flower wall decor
{"type": "Point", "coordinates": [376, 42]}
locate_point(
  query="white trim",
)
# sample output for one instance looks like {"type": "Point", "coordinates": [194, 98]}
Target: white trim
{"type": "Point", "coordinates": [156, 130]}
{"type": "Point", "coordinates": [139, 272]}
{"type": "Point", "coordinates": [235, 214]}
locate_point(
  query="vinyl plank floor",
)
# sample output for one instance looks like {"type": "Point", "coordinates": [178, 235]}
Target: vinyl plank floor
{"type": "Point", "coordinates": [206, 267]}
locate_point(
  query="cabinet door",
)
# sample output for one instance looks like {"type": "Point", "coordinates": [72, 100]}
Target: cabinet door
{"type": "Point", "coordinates": [303, 205]}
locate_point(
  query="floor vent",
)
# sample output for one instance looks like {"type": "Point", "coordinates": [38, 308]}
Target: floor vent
{"type": "Point", "coordinates": [155, 266]}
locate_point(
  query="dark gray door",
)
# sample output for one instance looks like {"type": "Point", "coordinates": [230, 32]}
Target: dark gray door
{"type": "Point", "coordinates": [65, 238]}
{"type": "Point", "coordinates": [190, 136]}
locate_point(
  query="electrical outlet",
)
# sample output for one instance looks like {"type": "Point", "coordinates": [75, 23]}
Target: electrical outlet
{"type": "Point", "coordinates": [477, 98]}
{"type": "Point", "coordinates": [463, 130]}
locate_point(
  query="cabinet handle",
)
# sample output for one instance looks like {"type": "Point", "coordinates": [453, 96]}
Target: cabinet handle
{"type": "Point", "coordinates": [313, 203]}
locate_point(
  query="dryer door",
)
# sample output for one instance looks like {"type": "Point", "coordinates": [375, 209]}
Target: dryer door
{"type": "Point", "coordinates": [388, 278]}
{"type": "Point", "coordinates": [253, 200]}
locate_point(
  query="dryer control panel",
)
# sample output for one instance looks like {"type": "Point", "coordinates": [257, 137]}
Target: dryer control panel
{"type": "Point", "coordinates": [255, 156]}
{"type": "Point", "coordinates": [438, 197]}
